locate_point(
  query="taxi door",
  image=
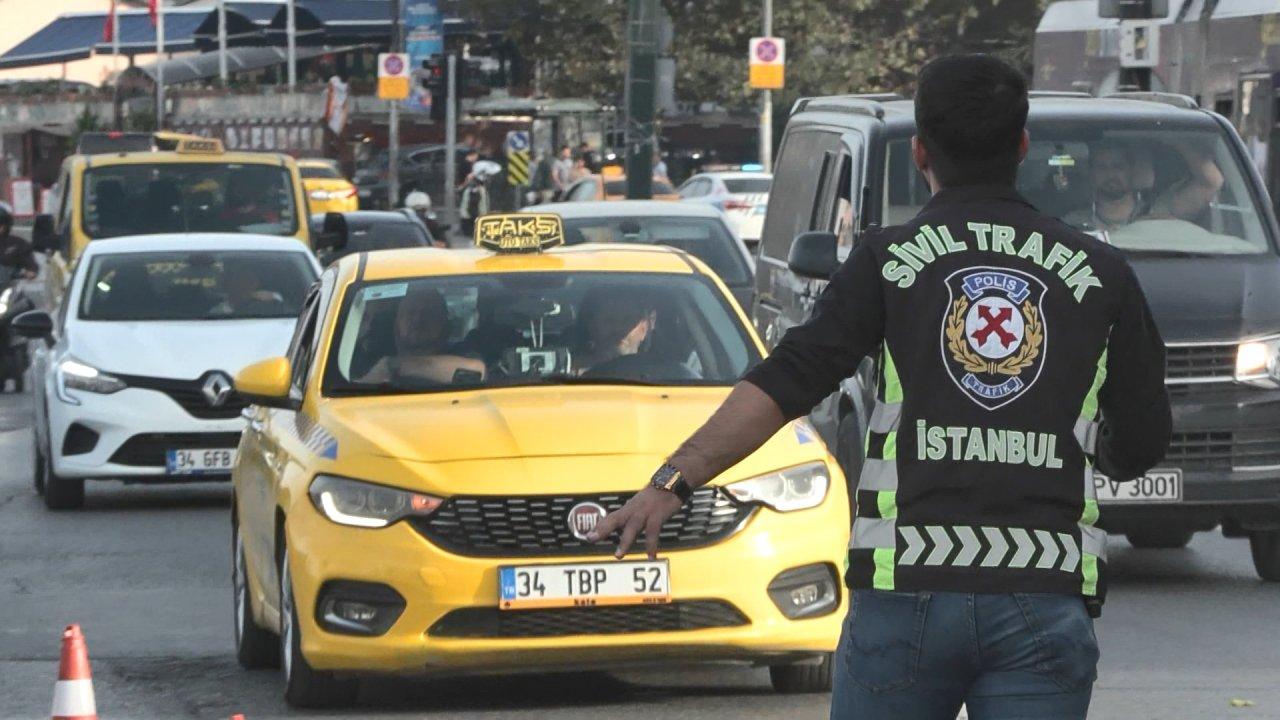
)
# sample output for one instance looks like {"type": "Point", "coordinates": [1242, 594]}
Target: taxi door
{"type": "Point", "coordinates": [57, 267]}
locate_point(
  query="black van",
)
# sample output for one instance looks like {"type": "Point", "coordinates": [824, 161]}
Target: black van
{"type": "Point", "coordinates": [1212, 278]}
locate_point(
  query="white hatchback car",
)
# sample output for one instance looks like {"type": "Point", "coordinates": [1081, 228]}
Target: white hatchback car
{"type": "Point", "coordinates": [743, 196]}
{"type": "Point", "coordinates": [133, 380]}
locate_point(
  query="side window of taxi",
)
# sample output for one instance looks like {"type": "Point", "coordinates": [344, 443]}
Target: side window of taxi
{"type": "Point", "coordinates": [301, 349]}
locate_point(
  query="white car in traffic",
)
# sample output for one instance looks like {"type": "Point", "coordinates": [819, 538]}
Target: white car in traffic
{"type": "Point", "coordinates": [743, 196]}
{"type": "Point", "coordinates": [134, 378]}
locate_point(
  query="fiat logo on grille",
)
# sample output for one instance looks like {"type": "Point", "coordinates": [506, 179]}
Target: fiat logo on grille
{"type": "Point", "coordinates": [584, 517]}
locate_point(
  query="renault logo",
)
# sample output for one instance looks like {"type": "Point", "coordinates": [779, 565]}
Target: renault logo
{"type": "Point", "coordinates": [583, 518]}
{"type": "Point", "coordinates": [217, 389]}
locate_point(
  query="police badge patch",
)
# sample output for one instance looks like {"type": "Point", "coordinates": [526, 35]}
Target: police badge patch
{"type": "Point", "coordinates": [993, 333]}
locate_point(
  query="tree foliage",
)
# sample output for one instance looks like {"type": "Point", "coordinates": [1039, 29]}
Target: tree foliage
{"type": "Point", "coordinates": [833, 46]}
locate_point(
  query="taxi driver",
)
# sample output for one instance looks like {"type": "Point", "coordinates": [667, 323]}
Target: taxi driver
{"type": "Point", "coordinates": [422, 352]}
{"type": "Point", "coordinates": [615, 324]}
{"type": "Point", "coordinates": [1122, 177]}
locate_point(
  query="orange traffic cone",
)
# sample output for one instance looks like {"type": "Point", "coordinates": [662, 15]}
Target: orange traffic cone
{"type": "Point", "coordinates": [73, 695]}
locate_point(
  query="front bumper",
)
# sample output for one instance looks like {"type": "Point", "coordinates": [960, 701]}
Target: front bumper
{"type": "Point", "coordinates": [134, 427]}
{"type": "Point", "coordinates": [1226, 441]}
{"type": "Point", "coordinates": [734, 572]}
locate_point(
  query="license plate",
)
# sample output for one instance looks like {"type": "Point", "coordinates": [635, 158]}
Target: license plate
{"type": "Point", "coordinates": [584, 585]}
{"type": "Point", "coordinates": [1157, 486]}
{"type": "Point", "coordinates": [199, 462]}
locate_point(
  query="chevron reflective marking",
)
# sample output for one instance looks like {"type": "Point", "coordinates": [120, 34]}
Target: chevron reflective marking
{"type": "Point", "coordinates": [1049, 557]}
{"type": "Point", "coordinates": [999, 548]}
{"type": "Point", "coordinates": [1071, 558]}
{"type": "Point", "coordinates": [872, 533]}
{"type": "Point", "coordinates": [915, 545]}
{"type": "Point", "coordinates": [884, 418]}
{"type": "Point", "coordinates": [941, 545]}
{"type": "Point", "coordinates": [878, 475]}
{"type": "Point", "coordinates": [969, 546]}
{"type": "Point", "coordinates": [1024, 548]}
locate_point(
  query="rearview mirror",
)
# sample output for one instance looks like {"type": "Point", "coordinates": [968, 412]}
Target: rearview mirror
{"type": "Point", "coordinates": [267, 383]}
{"type": "Point", "coordinates": [813, 255]}
{"type": "Point", "coordinates": [43, 237]}
{"type": "Point", "coordinates": [34, 325]}
{"type": "Point", "coordinates": [333, 235]}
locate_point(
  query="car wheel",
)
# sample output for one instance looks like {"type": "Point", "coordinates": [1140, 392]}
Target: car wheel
{"type": "Point", "coordinates": [1265, 546]}
{"type": "Point", "coordinates": [303, 686]}
{"type": "Point", "coordinates": [802, 678]}
{"type": "Point", "coordinates": [60, 493]}
{"type": "Point", "coordinates": [255, 647]}
{"type": "Point", "coordinates": [1160, 538]}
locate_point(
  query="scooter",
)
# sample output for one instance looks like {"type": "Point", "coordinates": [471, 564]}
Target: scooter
{"type": "Point", "coordinates": [14, 358]}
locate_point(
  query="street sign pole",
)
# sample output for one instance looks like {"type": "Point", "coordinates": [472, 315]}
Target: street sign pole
{"type": "Point", "coordinates": [451, 145]}
{"type": "Point", "coordinates": [642, 70]}
{"type": "Point", "coordinates": [393, 122]}
{"type": "Point", "coordinates": [766, 103]}
{"type": "Point", "coordinates": [160, 64]}
{"type": "Point", "coordinates": [222, 42]}
{"type": "Point", "coordinates": [291, 41]}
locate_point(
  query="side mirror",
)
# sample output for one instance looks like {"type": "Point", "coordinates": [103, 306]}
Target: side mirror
{"type": "Point", "coordinates": [333, 235]}
{"type": "Point", "coordinates": [43, 237]}
{"type": "Point", "coordinates": [266, 383]}
{"type": "Point", "coordinates": [34, 325]}
{"type": "Point", "coordinates": [813, 255]}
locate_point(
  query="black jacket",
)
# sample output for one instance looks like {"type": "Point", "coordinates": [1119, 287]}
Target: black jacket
{"type": "Point", "coordinates": [1004, 336]}
{"type": "Point", "coordinates": [16, 255]}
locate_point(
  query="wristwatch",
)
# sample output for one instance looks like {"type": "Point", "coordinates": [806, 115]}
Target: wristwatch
{"type": "Point", "coordinates": [670, 479]}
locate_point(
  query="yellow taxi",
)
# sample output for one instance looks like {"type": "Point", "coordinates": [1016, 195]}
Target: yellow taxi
{"type": "Point", "coordinates": [197, 187]}
{"type": "Point", "coordinates": [327, 190]}
{"type": "Point", "coordinates": [415, 488]}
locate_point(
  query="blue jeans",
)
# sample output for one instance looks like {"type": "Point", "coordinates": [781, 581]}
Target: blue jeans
{"type": "Point", "coordinates": [921, 655]}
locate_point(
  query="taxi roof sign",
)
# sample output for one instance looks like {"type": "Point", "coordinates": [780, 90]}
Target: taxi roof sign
{"type": "Point", "coordinates": [519, 232]}
{"type": "Point", "coordinates": [200, 146]}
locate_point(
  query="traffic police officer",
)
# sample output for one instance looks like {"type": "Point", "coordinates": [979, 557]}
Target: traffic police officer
{"type": "Point", "coordinates": [1015, 355]}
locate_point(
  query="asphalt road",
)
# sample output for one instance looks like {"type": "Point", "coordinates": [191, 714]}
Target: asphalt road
{"type": "Point", "coordinates": [145, 571]}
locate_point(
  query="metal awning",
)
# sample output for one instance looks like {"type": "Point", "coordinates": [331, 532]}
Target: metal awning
{"type": "Point", "coordinates": [75, 36]}
{"type": "Point", "coordinates": [202, 67]}
{"type": "Point", "coordinates": [325, 20]}
{"type": "Point", "coordinates": [247, 24]}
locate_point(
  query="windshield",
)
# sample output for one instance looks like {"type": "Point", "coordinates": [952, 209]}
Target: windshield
{"type": "Point", "coordinates": [543, 328]}
{"type": "Point", "coordinates": [146, 199]}
{"type": "Point", "coordinates": [705, 238]}
{"type": "Point", "coordinates": [743, 186]}
{"type": "Point", "coordinates": [198, 285]}
{"type": "Point", "coordinates": [1157, 188]}
{"type": "Point", "coordinates": [311, 172]}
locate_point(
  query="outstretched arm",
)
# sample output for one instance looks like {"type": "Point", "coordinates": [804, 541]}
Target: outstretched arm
{"type": "Point", "coordinates": [1188, 197]}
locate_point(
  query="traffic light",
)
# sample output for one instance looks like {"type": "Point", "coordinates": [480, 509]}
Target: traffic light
{"type": "Point", "coordinates": [435, 77]}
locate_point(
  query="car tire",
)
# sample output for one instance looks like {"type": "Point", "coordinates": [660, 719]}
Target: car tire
{"type": "Point", "coordinates": [1265, 547]}
{"type": "Point", "coordinates": [60, 493]}
{"type": "Point", "coordinates": [305, 687]}
{"type": "Point", "coordinates": [256, 648]}
{"type": "Point", "coordinates": [795, 679]}
{"type": "Point", "coordinates": [1160, 538]}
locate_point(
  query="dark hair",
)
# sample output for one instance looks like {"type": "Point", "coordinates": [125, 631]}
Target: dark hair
{"type": "Point", "coordinates": [970, 114]}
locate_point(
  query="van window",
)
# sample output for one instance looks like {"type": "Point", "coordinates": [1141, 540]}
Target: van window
{"type": "Point", "coordinates": [795, 188]}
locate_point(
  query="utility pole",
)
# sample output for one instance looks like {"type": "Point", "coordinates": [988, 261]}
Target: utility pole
{"type": "Point", "coordinates": [222, 41]}
{"type": "Point", "coordinates": [642, 71]}
{"type": "Point", "coordinates": [766, 103]}
{"type": "Point", "coordinates": [393, 124]}
{"type": "Point", "coordinates": [291, 35]}
{"type": "Point", "coordinates": [159, 64]}
{"type": "Point", "coordinates": [451, 144]}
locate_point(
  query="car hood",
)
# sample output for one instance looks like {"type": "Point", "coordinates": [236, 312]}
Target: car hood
{"type": "Point", "coordinates": [524, 423]}
{"type": "Point", "coordinates": [178, 350]}
{"type": "Point", "coordinates": [1218, 298]}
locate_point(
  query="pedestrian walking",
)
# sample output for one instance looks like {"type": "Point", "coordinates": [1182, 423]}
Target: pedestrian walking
{"type": "Point", "coordinates": [562, 170]}
{"type": "Point", "coordinates": [541, 187]}
{"type": "Point", "coordinates": [660, 167]}
{"type": "Point", "coordinates": [1014, 355]}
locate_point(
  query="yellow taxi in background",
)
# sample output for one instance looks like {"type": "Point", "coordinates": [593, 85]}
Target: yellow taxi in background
{"type": "Point", "coordinates": [327, 190]}
{"type": "Point", "coordinates": [420, 472]}
{"type": "Point", "coordinates": [197, 187]}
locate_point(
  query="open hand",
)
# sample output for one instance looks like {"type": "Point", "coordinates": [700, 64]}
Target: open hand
{"type": "Point", "coordinates": [646, 511]}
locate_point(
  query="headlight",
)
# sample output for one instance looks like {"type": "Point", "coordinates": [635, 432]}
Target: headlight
{"type": "Point", "coordinates": [75, 375]}
{"type": "Point", "coordinates": [1258, 363]}
{"type": "Point", "coordinates": [797, 488]}
{"type": "Point", "coordinates": [362, 504]}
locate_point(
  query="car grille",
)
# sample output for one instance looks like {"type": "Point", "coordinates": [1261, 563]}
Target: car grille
{"type": "Point", "coordinates": [1191, 363]}
{"type": "Point", "coordinates": [190, 395]}
{"type": "Point", "coordinates": [477, 622]}
{"type": "Point", "coordinates": [1224, 450]}
{"type": "Point", "coordinates": [149, 450]}
{"type": "Point", "coordinates": [538, 525]}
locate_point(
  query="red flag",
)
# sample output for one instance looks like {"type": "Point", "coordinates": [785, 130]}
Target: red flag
{"type": "Point", "coordinates": [108, 30]}
{"type": "Point", "coordinates": [152, 11]}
